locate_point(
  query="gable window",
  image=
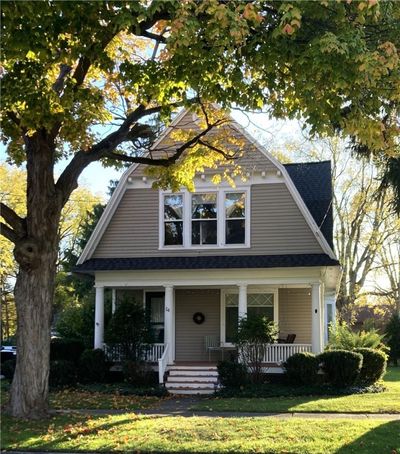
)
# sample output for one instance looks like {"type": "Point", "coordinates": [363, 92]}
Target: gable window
{"type": "Point", "coordinates": [204, 218]}
{"type": "Point", "coordinates": [215, 217]}
{"type": "Point", "coordinates": [173, 220]}
{"type": "Point", "coordinates": [235, 218]}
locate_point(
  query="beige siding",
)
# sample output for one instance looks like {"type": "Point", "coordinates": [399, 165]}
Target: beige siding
{"type": "Point", "coordinates": [277, 227]}
{"type": "Point", "coordinates": [249, 157]}
{"type": "Point", "coordinates": [295, 314]}
{"type": "Point", "coordinates": [190, 337]}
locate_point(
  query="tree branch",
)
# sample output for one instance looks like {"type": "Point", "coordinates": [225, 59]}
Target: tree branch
{"type": "Point", "coordinates": [165, 162]}
{"type": "Point", "coordinates": [11, 217]}
{"type": "Point", "coordinates": [9, 233]}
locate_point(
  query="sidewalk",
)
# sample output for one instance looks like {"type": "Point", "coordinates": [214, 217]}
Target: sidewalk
{"type": "Point", "coordinates": [182, 407]}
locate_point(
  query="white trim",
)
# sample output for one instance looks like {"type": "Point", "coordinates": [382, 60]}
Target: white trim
{"type": "Point", "coordinates": [161, 219]}
{"type": "Point", "coordinates": [235, 290]}
{"type": "Point", "coordinates": [106, 216]}
{"type": "Point", "coordinates": [221, 218]}
{"type": "Point", "coordinates": [292, 189]}
{"type": "Point", "coordinates": [115, 199]}
{"type": "Point", "coordinates": [117, 195]}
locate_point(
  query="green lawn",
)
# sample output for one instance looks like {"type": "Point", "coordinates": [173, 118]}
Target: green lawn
{"type": "Point", "coordinates": [385, 402]}
{"type": "Point", "coordinates": [130, 432]}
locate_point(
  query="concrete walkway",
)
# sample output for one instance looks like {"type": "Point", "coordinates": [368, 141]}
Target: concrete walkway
{"type": "Point", "coordinates": [182, 407]}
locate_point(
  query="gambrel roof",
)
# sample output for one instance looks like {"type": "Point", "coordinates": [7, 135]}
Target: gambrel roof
{"type": "Point", "coordinates": [308, 184]}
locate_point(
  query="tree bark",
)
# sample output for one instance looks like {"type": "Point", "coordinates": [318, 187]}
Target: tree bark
{"type": "Point", "coordinates": [33, 297]}
{"type": "Point", "coordinates": [36, 253]}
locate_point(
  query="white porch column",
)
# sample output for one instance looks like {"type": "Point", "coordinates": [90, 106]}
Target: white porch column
{"type": "Point", "coordinates": [113, 300]}
{"type": "Point", "coordinates": [242, 300]}
{"type": "Point", "coordinates": [169, 322]}
{"type": "Point", "coordinates": [99, 318]}
{"type": "Point", "coordinates": [316, 314]}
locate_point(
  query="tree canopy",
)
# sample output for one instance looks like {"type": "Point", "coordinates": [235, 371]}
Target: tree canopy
{"type": "Point", "coordinates": [70, 67]}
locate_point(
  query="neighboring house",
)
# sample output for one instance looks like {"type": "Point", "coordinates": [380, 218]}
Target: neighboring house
{"type": "Point", "coordinates": [199, 261]}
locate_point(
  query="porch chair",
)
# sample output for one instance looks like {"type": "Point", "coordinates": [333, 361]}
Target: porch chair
{"type": "Point", "coordinates": [289, 339]}
{"type": "Point", "coordinates": [211, 343]}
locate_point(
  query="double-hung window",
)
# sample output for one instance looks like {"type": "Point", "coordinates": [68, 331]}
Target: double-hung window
{"type": "Point", "coordinates": [204, 218]}
{"type": "Point", "coordinates": [235, 217]}
{"type": "Point", "coordinates": [173, 220]}
{"type": "Point", "coordinates": [213, 218]}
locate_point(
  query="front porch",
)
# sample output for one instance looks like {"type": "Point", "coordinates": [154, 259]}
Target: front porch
{"type": "Point", "coordinates": [204, 305]}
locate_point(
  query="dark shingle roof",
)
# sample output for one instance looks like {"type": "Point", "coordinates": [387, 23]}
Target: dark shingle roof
{"type": "Point", "coordinates": [206, 262]}
{"type": "Point", "coordinates": [313, 180]}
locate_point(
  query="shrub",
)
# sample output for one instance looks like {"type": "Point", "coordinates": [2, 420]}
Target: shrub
{"type": "Point", "coordinates": [341, 367]}
{"type": "Point", "coordinates": [129, 328]}
{"type": "Point", "coordinates": [393, 338]}
{"type": "Point", "coordinates": [93, 366]}
{"type": "Point", "coordinates": [62, 373]}
{"type": "Point", "coordinates": [302, 368]}
{"type": "Point", "coordinates": [373, 365]}
{"type": "Point", "coordinates": [139, 373]}
{"type": "Point", "coordinates": [62, 349]}
{"type": "Point", "coordinates": [254, 332]}
{"type": "Point", "coordinates": [341, 337]}
{"type": "Point", "coordinates": [8, 368]}
{"type": "Point", "coordinates": [232, 374]}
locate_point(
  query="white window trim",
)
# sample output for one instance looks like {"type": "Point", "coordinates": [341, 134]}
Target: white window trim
{"type": "Point", "coordinates": [225, 292]}
{"type": "Point", "coordinates": [189, 227]}
{"type": "Point", "coordinates": [221, 218]}
{"type": "Point", "coordinates": [161, 220]}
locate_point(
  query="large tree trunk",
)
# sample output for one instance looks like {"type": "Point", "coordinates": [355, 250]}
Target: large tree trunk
{"type": "Point", "coordinates": [33, 297]}
{"type": "Point", "coordinates": [36, 254]}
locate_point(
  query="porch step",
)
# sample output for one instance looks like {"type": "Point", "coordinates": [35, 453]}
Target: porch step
{"type": "Point", "coordinates": [192, 379]}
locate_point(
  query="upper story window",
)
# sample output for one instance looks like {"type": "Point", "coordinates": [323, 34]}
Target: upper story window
{"type": "Point", "coordinates": [204, 218]}
{"type": "Point", "coordinates": [209, 219]}
{"type": "Point", "coordinates": [173, 219]}
{"type": "Point", "coordinates": [235, 217]}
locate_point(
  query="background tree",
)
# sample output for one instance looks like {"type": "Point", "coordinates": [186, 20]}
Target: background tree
{"type": "Point", "coordinates": [71, 68]}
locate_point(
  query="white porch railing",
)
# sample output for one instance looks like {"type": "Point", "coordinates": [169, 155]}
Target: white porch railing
{"type": "Point", "coordinates": [279, 353]}
{"type": "Point", "coordinates": [152, 352]}
{"type": "Point", "coordinates": [162, 364]}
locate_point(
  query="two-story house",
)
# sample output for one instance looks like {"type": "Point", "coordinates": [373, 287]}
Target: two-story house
{"type": "Point", "coordinates": [200, 261]}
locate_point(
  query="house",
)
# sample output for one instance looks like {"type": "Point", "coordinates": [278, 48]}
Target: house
{"type": "Point", "coordinates": [199, 261]}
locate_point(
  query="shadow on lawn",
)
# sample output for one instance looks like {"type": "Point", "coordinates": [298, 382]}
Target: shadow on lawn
{"type": "Point", "coordinates": [384, 439]}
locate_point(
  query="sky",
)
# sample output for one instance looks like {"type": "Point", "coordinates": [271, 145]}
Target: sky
{"type": "Point", "coordinates": [267, 131]}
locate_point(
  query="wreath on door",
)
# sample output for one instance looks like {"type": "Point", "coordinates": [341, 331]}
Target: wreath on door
{"type": "Point", "coordinates": [198, 318]}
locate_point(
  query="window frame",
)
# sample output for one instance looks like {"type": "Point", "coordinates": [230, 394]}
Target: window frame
{"type": "Point", "coordinates": [227, 291]}
{"type": "Point", "coordinates": [221, 218]}
{"type": "Point", "coordinates": [190, 228]}
{"type": "Point", "coordinates": [162, 220]}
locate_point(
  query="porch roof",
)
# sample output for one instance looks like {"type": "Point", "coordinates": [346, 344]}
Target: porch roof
{"type": "Point", "coordinates": [205, 262]}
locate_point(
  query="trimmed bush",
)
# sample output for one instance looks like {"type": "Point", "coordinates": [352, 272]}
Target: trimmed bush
{"type": "Point", "coordinates": [93, 366]}
{"type": "Point", "coordinates": [302, 368]}
{"type": "Point", "coordinates": [373, 365]}
{"type": "Point", "coordinates": [232, 374]}
{"type": "Point", "coordinates": [139, 373]}
{"type": "Point", "coordinates": [66, 350]}
{"type": "Point", "coordinates": [393, 338]}
{"type": "Point", "coordinates": [8, 368]}
{"type": "Point", "coordinates": [341, 367]}
{"type": "Point", "coordinates": [62, 373]}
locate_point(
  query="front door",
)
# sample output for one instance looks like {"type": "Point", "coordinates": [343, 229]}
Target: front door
{"type": "Point", "coordinates": [155, 315]}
